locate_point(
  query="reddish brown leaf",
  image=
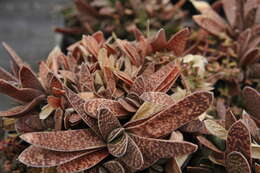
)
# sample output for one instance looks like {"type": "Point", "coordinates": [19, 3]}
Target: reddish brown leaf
{"type": "Point", "coordinates": [252, 100]}
{"type": "Point", "coordinates": [236, 162]}
{"type": "Point", "coordinates": [155, 149]}
{"type": "Point", "coordinates": [29, 79]}
{"type": "Point", "coordinates": [229, 119]}
{"type": "Point", "coordinates": [114, 167]}
{"type": "Point", "coordinates": [133, 156]}
{"type": "Point", "coordinates": [91, 44]}
{"type": "Point", "coordinates": [130, 51]}
{"type": "Point", "coordinates": [107, 122]}
{"type": "Point", "coordinates": [38, 157]}
{"type": "Point", "coordinates": [86, 80]}
{"type": "Point", "coordinates": [29, 123]}
{"type": "Point", "coordinates": [239, 140]}
{"type": "Point", "coordinates": [54, 102]}
{"type": "Point", "coordinates": [174, 116]}
{"type": "Point", "coordinates": [58, 118]}
{"type": "Point", "coordinates": [157, 98]}
{"type": "Point", "coordinates": [83, 163]}
{"type": "Point", "coordinates": [159, 42]}
{"type": "Point", "coordinates": [6, 75]}
{"type": "Point", "coordinates": [78, 104]}
{"type": "Point", "coordinates": [16, 60]}
{"type": "Point", "coordinates": [209, 145]}
{"type": "Point", "coordinates": [124, 77]}
{"type": "Point", "coordinates": [119, 145]}
{"type": "Point", "coordinates": [21, 110]}
{"type": "Point", "coordinates": [19, 94]}
{"type": "Point", "coordinates": [163, 79]}
{"type": "Point", "coordinates": [230, 10]}
{"type": "Point", "coordinates": [209, 24]}
{"type": "Point", "coordinates": [68, 75]}
{"type": "Point", "coordinates": [177, 42]}
{"type": "Point", "coordinates": [70, 140]}
{"type": "Point", "coordinates": [91, 107]}
{"type": "Point", "coordinates": [195, 126]}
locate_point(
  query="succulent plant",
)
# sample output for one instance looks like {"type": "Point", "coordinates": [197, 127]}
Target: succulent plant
{"type": "Point", "coordinates": [111, 105]}
{"type": "Point", "coordinates": [231, 44]}
{"type": "Point", "coordinates": [121, 17]}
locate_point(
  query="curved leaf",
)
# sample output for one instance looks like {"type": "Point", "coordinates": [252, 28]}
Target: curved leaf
{"type": "Point", "coordinates": [236, 162]}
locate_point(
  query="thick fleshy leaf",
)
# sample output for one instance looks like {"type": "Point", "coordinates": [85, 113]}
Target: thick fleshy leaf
{"type": "Point", "coordinates": [118, 146]}
{"type": "Point", "coordinates": [92, 106]}
{"type": "Point", "coordinates": [252, 100]}
{"type": "Point", "coordinates": [29, 79]}
{"type": "Point", "coordinates": [175, 116]}
{"type": "Point", "coordinates": [209, 24]}
{"type": "Point", "coordinates": [236, 162]}
{"type": "Point", "coordinates": [91, 44]}
{"type": "Point", "coordinates": [69, 140]}
{"type": "Point", "coordinates": [239, 139]}
{"type": "Point", "coordinates": [133, 156]}
{"type": "Point", "coordinates": [177, 42]}
{"type": "Point", "coordinates": [163, 79]}
{"type": "Point", "coordinates": [146, 110]}
{"type": "Point", "coordinates": [17, 61]}
{"type": "Point", "coordinates": [6, 75]}
{"type": "Point", "coordinates": [86, 80]}
{"type": "Point", "coordinates": [21, 110]}
{"type": "Point", "coordinates": [229, 119]}
{"type": "Point", "coordinates": [83, 163]}
{"type": "Point", "coordinates": [114, 167]}
{"type": "Point", "coordinates": [46, 112]}
{"type": "Point", "coordinates": [159, 42]}
{"type": "Point", "coordinates": [255, 151]}
{"type": "Point", "coordinates": [130, 51]}
{"type": "Point", "coordinates": [230, 10]}
{"type": "Point", "coordinates": [58, 118]}
{"type": "Point", "coordinates": [19, 94]}
{"type": "Point", "coordinates": [107, 122]}
{"type": "Point", "coordinates": [29, 123]}
{"type": "Point", "coordinates": [172, 166]}
{"type": "Point", "coordinates": [216, 129]}
{"type": "Point", "coordinates": [38, 157]}
{"type": "Point", "coordinates": [251, 125]}
{"type": "Point", "coordinates": [157, 98]}
{"type": "Point", "coordinates": [78, 104]}
{"type": "Point", "coordinates": [155, 149]}
{"type": "Point", "coordinates": [209, 145]}
{"type": "Point", "coordinates": [195, 126]}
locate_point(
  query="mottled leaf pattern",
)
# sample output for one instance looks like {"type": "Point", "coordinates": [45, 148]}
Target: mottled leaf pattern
{"type": "Point", "coordinates": [78, 104]}
{"type": "Point", "coordinates": [157, 98]}
{"type": "Point", "coordinates": [175, 116]}
{"type": "Point", "coordinates": [153, 149]}
{"type": "Point", "coordinates": [239, 140]}
{"type": "Point", "coordinates": [107, 122]}
{"type": "Point", "coordinates": [70, 140]}
{"type": "Point", "coordinates": [236, 162]}
{"type": "Point", "coordinates": [38, 157]}
{"type": "Point", "coordinates": [92, 106]}
{"type": "Point", "coordinates": [252, 100]}
{"type": "Point", "coordinates": [82, 163]}
{"type": "Point", "coordinates": [114, 167]}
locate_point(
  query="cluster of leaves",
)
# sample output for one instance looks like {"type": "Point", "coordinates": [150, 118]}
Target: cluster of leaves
{"type": "Point", "coordinates": [120, 17]}
{"type": "Point", "coordinates": [230, 40]}
{"type": "Point", "coordinates": [108, 106]}
{"type": "Point", "coordinates": [117, 106]}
